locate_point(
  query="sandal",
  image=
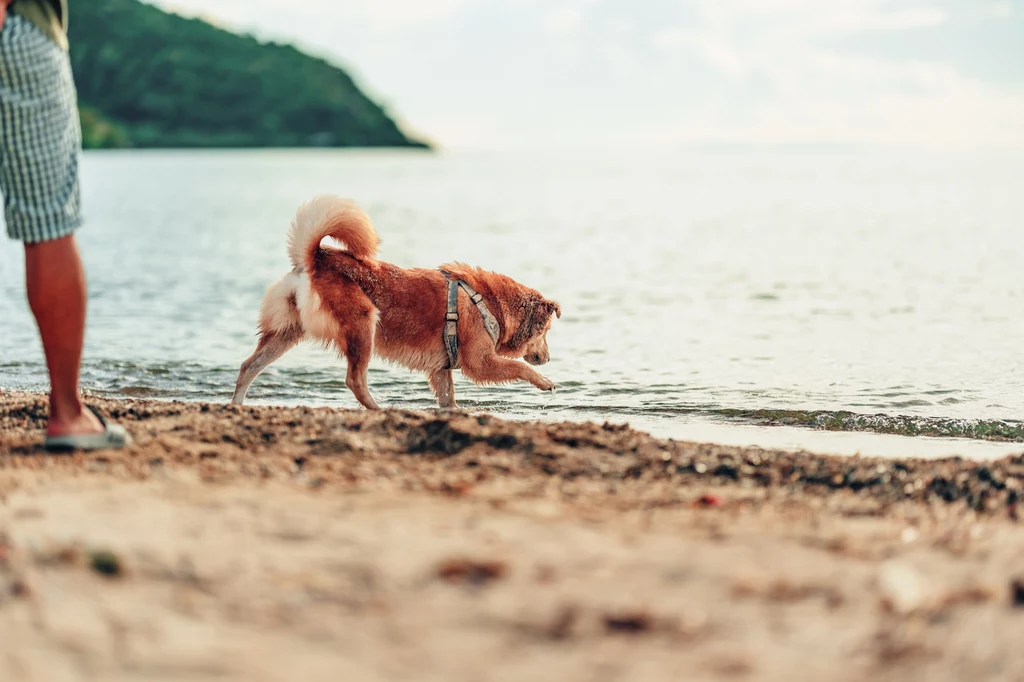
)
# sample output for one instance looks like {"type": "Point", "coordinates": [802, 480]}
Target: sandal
{"type": "Point", "coordinates": [113, 437]}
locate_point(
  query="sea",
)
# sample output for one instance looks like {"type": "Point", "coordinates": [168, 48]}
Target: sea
{"type": "Point", "coordinates": [839, 300]}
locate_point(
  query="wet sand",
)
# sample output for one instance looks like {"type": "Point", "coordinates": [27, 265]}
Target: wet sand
{"type": "Point", "coordinates": [316, 544]}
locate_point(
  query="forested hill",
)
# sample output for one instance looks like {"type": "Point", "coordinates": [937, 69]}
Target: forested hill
{"type": "Point", "coordinates": [147, 78]}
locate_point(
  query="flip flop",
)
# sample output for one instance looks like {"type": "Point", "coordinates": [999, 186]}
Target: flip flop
{"type": "Point", "coordinates": [113, 437]}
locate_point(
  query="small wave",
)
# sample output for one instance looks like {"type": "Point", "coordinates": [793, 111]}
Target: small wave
{"type": "Point", "coordinates": [828, 420]}
{"type": "Point", "coordinates": [618, 399]}
{"type": "Point", "coordinates": [136, 392]}
{"type": "Point", "coordinates": [902, 425]}
{"type": "Point", "coordinates": [1002, 430]}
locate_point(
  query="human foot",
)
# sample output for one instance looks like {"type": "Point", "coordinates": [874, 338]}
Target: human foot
{"type": "Point", "coordinates": [108, 437]}
{"type": "Point", "coordinates": [80, 424]}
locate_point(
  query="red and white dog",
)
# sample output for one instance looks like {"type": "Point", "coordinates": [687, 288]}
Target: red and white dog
{"type": "Point", "coordinates": [348, 299]}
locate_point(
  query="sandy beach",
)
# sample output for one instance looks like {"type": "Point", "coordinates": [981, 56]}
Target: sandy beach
{"type": "Point", "coordinates": [317, 544]}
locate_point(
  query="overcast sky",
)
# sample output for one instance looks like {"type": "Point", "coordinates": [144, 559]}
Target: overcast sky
{"type": "Point", "coordinates": [931, 74]}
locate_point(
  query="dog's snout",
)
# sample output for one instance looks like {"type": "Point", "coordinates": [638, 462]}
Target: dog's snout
{"type": "Point", "coordinates": [537, 358]}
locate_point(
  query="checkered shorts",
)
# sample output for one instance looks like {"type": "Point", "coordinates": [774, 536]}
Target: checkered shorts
{"type": "Point", "coordinates": [40, 135]}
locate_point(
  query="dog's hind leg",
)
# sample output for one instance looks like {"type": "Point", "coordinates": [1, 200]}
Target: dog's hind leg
{"type": "Point", "coordinates": [444, 388]}
{"type": "Point", "coordinates": [272, 345]}
{"type": "Point", "coordinates": [358, 350]}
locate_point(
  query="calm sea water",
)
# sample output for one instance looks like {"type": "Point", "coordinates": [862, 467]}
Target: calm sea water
{"type": "Point", "coordinates": [693, 284]}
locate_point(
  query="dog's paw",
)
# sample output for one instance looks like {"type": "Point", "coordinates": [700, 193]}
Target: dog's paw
{"type": "Point", "coordinates": [545, 384]}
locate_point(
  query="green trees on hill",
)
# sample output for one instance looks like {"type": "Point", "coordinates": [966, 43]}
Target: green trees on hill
{"type": "Point", "coordinates": [150, 79]}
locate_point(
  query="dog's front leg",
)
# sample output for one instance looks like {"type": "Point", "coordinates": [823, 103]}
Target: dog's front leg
{"type": "Point", "coordinates": [536, 378]}
{"type": "Point", "coordinates": [494, 369]}
{"type": "Point", "coordinates": [444, 388]}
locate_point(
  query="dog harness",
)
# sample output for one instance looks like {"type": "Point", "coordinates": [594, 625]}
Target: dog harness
{"type": "Point", "coordinates": [451, 338]}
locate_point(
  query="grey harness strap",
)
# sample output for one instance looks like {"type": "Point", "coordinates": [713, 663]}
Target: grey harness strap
{"type": "Point", "coordinates": [451, 318]}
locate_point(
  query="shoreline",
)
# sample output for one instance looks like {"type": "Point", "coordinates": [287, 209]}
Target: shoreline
{"type": "Point", "coordinates": [810, 438]}
{"type": "Point", "coordinates": [401, 545]}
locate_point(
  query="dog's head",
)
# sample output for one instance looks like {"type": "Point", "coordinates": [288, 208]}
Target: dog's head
{"type": "Point", "coordinates": [530, 338]}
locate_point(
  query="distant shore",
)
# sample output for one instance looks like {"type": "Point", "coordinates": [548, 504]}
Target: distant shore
{"type": "Point", "coordinates": [299, 542]}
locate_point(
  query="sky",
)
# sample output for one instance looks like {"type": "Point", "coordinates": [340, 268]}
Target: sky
{"type": "Point", "coordinates": [494, 74]}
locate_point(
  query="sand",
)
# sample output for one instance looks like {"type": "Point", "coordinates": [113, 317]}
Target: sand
{"type": "Point", "coordinates": [315, 544]}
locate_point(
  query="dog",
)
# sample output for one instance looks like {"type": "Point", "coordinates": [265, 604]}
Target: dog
{"type": "Point", "coordinates": [347, 299]}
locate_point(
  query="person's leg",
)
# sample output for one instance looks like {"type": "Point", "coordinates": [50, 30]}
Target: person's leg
{"type": "Point", "coordinates": [40, 141]}
{"type": "Point", "coordinates": [55, 280]}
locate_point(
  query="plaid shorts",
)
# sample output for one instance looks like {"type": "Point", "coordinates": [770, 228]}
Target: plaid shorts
{"type": "Point", "coordinates": [40, 135]}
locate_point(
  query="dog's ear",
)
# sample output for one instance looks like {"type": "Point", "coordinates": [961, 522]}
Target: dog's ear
{"type": "Point", "coordinates": [531, 320]}
{"type": "Point", "coordinates": [527, 322]}
{"type": "Point", "coordinates": [536, 313]}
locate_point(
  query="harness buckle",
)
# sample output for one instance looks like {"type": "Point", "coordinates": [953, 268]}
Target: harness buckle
{"type": "Point", "coordinates": [451, 317]}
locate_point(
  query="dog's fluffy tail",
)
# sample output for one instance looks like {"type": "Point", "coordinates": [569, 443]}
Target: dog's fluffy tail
{"type": "Point", "coordinates": [330, 216]}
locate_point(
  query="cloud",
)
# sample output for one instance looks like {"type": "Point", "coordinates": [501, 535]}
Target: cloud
{"type": "Point", "coordinates": [811, 93]}
{"type": "Point", "coordinates": [261, 12]}
{"type": "Point", "coordinates": [472, 73]}
{"type": "Point", "coordinates": [404, 11]}
{"type": "Point", "coordinates": [737, 37]}
{"type": "Point", "coordinates": [715, 50]}
{"type": "Point", "coordinates": [812, 17]}
{"type": "Point", "coordinates": [668, 39]}
{"type": "Point", "coordinates": [564, 19]}
{"type": "Point", "coordinates": [1001, 10]}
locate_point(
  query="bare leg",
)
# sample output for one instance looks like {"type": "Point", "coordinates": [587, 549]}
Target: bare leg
{"type": "Point", "coordinates": [358, 351]}
{"type": "Point", "coordinates": [55, 280]}
{"type": "Point", "coordinates": [444, 388]}
{"type": "Point", "coordinates": [272, 345]}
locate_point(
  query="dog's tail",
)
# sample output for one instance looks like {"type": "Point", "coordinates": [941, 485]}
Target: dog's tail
{"type": "Point", "coordinates": [330, 216]}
